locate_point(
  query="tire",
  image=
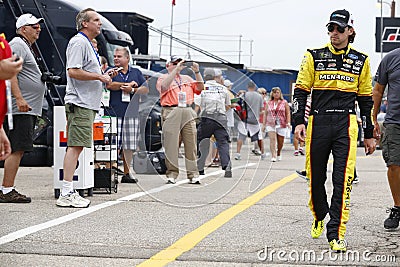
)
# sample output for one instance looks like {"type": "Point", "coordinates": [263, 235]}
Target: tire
{"type": "Point", "coordinates": [50, 135]}
{"type": "Point", "coordinates": [50, 159]}
{"type": "Point", "coordinates": [57, 193]}
{"type": "Point", "coordinates": [36, 158]}
{"type": "Point", "coordinates": [81, 192]}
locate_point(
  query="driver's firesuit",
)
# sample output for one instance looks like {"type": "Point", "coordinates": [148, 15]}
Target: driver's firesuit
{"type": "Point", "coordinates": [336, 80]}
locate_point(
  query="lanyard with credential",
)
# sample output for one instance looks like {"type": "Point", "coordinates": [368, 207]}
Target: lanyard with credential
{"type": "Point", "coordinates": [124, 77]}
{"type": "Point", "coordinates": [94, 50]}
{"type": "Point", "coordinates": [179, 83]}
{"type": "Point", "coordinates": [181, 94]}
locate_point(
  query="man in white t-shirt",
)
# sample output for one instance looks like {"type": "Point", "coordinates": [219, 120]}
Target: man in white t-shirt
{"type": "Point", "coordinates": [82, 100]}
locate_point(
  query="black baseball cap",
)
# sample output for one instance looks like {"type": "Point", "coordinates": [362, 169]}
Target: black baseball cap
{"type": "Point", "coordinates": [343, 18]}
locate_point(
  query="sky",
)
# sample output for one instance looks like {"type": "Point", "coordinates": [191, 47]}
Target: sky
{"type": "Point", "coordinates": [270, 34]}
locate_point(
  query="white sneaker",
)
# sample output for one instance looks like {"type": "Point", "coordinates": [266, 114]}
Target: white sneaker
{"type": "Point", "coordinates": [194, 181]}
{"type": "Point", "coordinates": [171, 181]}
{"type": "Point", "coordinates": [279, 158]}
{"type": "Point", "coordinates": [73, 200]}
{"type": "Point", "coordinates": [237, 156]}
{"type": "Point", "coordinates": [273, 159]}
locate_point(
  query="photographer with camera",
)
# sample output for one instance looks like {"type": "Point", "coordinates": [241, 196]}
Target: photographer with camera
{"type": "Point", "coordinates": [27, 97]}
{"type": "Point", "coordinates": [178, 118]}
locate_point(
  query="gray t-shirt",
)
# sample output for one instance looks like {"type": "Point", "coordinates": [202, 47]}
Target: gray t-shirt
{"type": "Point", "coordinates": [81, 55]}
{"type": "Point", "coordinates": [388, 73]}
{"type": "Point", "coordinates": [254, 103]}
{"type": "Point", "coordinates": [214, 99]}
{"type": "Point", "coordinates": [31, 86]}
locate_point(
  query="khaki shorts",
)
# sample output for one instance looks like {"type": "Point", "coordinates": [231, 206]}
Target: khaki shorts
{"type": "Point", "coordinates": [391, 144]}
{"type": "Point", "coordinates": [79, 125]}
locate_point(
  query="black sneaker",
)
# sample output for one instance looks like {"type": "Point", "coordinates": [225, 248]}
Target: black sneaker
{"type": "Point", "coordinates": [228, 172]}
{"type": "Point", "coordinates": [392, 222]}
{"type": "Point", "coordinates": [14, 197]}
{"type": "Point", "coordinates": [302, 174]}
{"type": "Point", "coordinates": [201, 172]}
{"type": "Point", "coordinates": [118, 170]}
{"type": "Point", "coordinates": [127, 178]}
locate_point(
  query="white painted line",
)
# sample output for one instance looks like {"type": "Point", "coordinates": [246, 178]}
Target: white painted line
{"type": "Point", "coordinates": [36, 228]}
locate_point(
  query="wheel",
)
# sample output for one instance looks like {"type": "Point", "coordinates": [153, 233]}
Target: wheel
{"type": "Point", "coordinates": [56, 193]}
{"type": "Point", "coordinates": [81, 192]}
{"type": "Point", "coordinates": [115, 185]}
{"type": "Point", "coordinates": [37, 157]}
{"type": "Point", "coordinates": [50, 155]}
{"type": "Point", "coordinates": [90, 192]}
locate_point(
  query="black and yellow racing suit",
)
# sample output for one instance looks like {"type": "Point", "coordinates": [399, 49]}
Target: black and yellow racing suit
{"type": "Point", "coordinates": [336, 80]}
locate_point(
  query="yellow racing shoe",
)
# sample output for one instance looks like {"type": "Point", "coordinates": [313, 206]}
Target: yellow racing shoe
{"type": "Point", "coordinates": [317, 229]}
{"type": "Point", "coordinates": [338, 245]}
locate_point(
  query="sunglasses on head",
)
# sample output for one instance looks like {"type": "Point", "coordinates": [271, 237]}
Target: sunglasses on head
{"type": "Point", "coordinates": [331, 28]}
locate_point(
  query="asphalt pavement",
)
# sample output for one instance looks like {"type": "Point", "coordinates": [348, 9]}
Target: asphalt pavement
{"type": "Point", "coordinates": [259, 217]}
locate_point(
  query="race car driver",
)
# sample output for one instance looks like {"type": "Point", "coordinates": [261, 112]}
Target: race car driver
{"type": "Point", "coordinates": [337, 75]}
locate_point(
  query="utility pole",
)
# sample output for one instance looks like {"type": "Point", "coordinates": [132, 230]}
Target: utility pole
{"type": "Point", "coordinates": [393, 9]}
{"type": "Point", "coordinates": [188, 49]}
{"type": "Point", "coordinates": [392, 15]}
{"type": "Point", "coordinates": [251, 52]}
{"type": "Point", "coordinates": [240, 47]}
{"type": "Point", "coordinates": [381, 30]}
{"type": "Point", "coordinates": [172, 23]}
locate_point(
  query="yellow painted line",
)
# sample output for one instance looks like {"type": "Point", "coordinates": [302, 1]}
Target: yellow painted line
{"type": "Point", "coordinates": [191, 239]}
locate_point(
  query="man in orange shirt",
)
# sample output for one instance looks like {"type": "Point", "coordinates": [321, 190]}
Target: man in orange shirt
{"type": "Point", "coordinates": [176, 97]}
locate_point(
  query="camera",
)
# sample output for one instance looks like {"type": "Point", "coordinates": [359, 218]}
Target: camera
{"type": "Point", "coordinates": [17, 57]}
{"type": "Point", "coordinates": [49, 77]}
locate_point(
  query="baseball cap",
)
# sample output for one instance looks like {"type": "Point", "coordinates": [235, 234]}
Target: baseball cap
{"type": "Point", "coordinates": [228, 83]}
{"type": "Point", "coordinates": [27, 19]}
{"type": "Point", "coordinates": [175, 59]}
{"type": "Point", "coordinates": [342, 18]}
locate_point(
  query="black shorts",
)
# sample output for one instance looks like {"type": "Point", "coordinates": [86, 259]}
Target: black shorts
{"type": "Point", "coordinates": [21, 134]}
{"type": "Point", "coordinates": [391, 144]}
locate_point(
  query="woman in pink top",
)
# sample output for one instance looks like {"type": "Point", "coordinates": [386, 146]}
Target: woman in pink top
{"type": "Point", "coordinates": [276, 120]}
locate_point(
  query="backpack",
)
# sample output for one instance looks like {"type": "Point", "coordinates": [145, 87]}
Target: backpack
{"type": "Point", "coordinates": [145, 162]}
{"type": "Point", "coordinates": [158, 161]}
{"type": "Point", "coordinates": [241, 108]}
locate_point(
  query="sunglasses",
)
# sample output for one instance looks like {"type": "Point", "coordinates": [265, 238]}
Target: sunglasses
{"type": "Point", "coordinates": [331, 28]}
{"type": "Point", "coordinates": [34, 26]}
